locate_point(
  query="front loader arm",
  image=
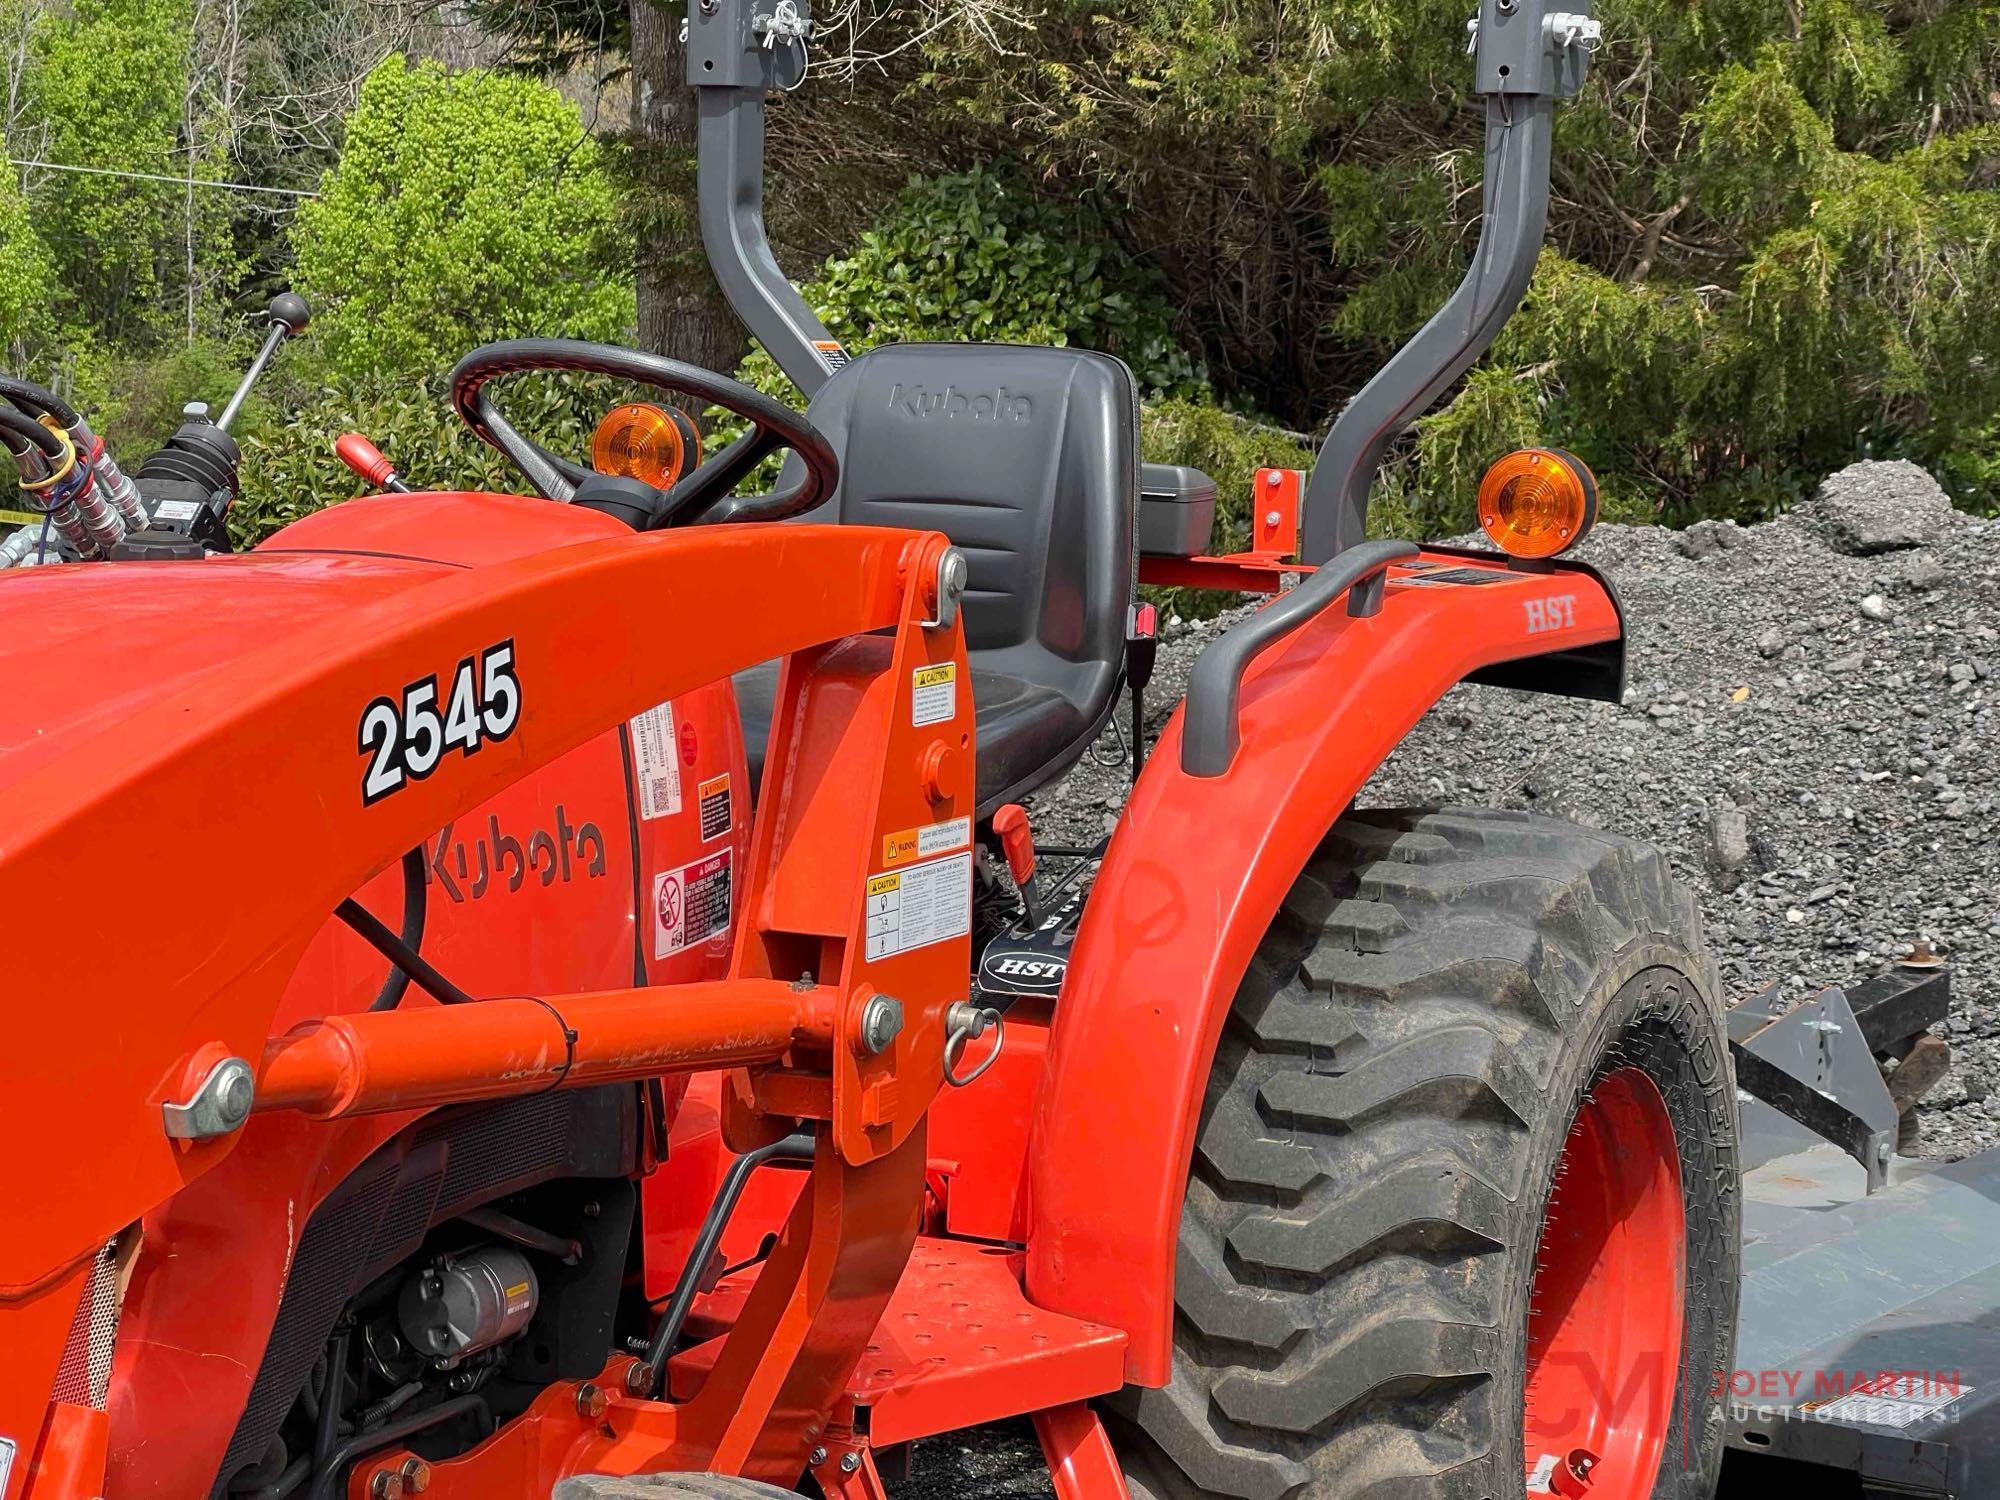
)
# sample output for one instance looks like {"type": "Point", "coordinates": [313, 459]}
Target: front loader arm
{"type": "Point", "coordinates": [1195, 873]}
{"type": "Point", "coordinates": [116, 1020]}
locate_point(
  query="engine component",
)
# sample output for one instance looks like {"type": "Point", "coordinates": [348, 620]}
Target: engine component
{"type": "Point", "coordinates": [467, 1302]}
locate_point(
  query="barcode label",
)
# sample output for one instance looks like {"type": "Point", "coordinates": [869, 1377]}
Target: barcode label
{"type": "Point", "coordinates": [656, 762]}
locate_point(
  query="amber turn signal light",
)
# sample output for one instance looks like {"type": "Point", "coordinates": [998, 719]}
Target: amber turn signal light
{"type": "Point", "coordinates": [647, 443]}
{"type": "Point", "coordinates": [1538, 502]}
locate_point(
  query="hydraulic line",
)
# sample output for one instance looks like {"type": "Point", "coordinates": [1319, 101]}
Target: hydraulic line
{"type": "Point", "coordinates": [58, 483]}
{"type": "Point", "coordinates": [112, 481]}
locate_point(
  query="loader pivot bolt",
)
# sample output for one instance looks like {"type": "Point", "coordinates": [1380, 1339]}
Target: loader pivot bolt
{"type": "Point", "coordinates": [219, 1104]}
{"type": "Point", "coordinates": [947, 588]}
{"type": "Point", "coordinates": [881, 1024]}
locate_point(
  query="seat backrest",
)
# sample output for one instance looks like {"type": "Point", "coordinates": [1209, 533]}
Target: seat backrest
{"type": "Point", "coordinates": [1028, 459]}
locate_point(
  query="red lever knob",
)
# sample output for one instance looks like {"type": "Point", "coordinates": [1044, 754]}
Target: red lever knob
{"type": "Point", "coordinates": [1017, 841]}
{"type": "Point", "coordinates": [365, 459]}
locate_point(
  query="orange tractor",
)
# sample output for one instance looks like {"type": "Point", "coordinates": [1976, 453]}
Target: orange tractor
{"type": "Point", "coordinates": [515, 995]}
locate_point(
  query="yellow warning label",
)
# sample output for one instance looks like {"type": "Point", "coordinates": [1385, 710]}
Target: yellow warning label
{"type": "Point", "coordinates": [882, 885]}
{"type": "Point", "coordinates": [922, 843]}
{"type": "Point", "coordinates": [934, 694]}
{"type": "Point", "coordinates": [897, 847]}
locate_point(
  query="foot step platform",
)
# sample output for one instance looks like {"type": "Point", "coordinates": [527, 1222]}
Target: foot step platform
{"type": "Point", "coordinates": [958, 1345]}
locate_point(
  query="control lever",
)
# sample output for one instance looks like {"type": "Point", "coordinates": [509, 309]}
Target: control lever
{"type": "Point", "coordinates": [366, 460]}
{"type": "Point", "coordinates": [289, 315]}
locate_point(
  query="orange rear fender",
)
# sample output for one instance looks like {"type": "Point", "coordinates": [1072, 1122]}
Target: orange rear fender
{"type": "Point", "coordinates": [1195, 875]}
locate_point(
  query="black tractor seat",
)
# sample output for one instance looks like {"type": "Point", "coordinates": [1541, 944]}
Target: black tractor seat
{"type": "Point", "coordinates": [1028, 459]}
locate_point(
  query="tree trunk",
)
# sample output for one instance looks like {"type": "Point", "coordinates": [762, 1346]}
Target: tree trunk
{"type": "Point", "coordinates": [682, 313]}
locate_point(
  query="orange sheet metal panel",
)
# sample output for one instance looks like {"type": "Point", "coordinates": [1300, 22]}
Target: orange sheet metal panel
{"type": "Point", "coordinates": [958, 1345]}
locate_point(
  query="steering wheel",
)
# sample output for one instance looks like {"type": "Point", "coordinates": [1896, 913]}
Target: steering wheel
{"type": "Point", "coordinates": [703, 497]}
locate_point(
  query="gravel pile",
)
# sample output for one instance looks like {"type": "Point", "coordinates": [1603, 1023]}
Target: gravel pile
{"type": "Point", "coordinates": [1811, 731]}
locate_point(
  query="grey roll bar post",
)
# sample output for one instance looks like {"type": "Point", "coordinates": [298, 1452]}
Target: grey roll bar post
{"type": "Point", "coordinates": [736, 53]}
{"type": "Point", "coordinates": [1527, 55]}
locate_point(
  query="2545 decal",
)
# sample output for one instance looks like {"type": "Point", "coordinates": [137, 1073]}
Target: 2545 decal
{"type": "Point", "coordinates": [406, 738]}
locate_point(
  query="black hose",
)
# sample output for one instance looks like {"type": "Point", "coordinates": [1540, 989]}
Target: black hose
{"type": "Point", "coordinates": [326, 1433]}
{"type": "Point", "coordinates": [372, 931]}
{"type": "Point", "coordinates": [296, 1473]}
{"type": "Point", "coordinates": [416, 896]}
{"type": "Point", "coordinates": [37, 401]}
{"type": "Point", "coordinates": [791, 1148]}
{"type": "Point", "coordinates": [53, 444]}
{"type": "Point", "coordinates": [329, 1479]}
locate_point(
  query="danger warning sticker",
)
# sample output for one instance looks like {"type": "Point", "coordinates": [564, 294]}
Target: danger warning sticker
{"type": "Point", "coordinates": [713, 798]}
{"type": "Point", "coordinates": [934, 694]}
{"type": "Point", "coordinates": [919, 906]}
{"type": "Point", "coordinates": [836, 356]}
{"type": "Point", "coordinates": [654, 763]}
{"type": "Point", "coordinates": [690, 905]}
{"type": "Point", "coordinates": [923, 843]}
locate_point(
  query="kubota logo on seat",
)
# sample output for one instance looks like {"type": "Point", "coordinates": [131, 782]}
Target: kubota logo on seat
{"type": "Point", "coordinates": [996, 405]}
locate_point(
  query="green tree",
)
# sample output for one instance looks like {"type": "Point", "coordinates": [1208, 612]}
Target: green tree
{"type": "Point", "coordinates": [27, 281]}
{"type": "Point", "coordinates": [108, 85]}
{"type": "Point", "coordinates": [1773, 241]}
{"type": "Point", "coordinates": [467, 206]}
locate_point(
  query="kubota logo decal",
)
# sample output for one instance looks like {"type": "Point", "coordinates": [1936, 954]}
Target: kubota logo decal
{"type": "Point", "coordinates": [463, 869]}
{"type": "Point", "coordinates": [996, 405]}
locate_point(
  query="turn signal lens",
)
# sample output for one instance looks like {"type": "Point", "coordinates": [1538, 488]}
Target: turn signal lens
{"type": "Point", "coordinates": [1538, 502]}
{"type": "Point", "coordinates": [645, 443]}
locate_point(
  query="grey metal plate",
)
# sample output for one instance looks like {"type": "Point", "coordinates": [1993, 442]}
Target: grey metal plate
{"type": "Point", "coordinates": [1836, 1294]}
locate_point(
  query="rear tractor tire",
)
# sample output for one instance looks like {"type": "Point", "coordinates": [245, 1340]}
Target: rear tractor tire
{"type": "Point", "coordinates": [1462, 1215]}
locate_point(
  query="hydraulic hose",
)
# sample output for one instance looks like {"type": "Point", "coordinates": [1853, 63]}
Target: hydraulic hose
{"type": "Point", "coordinates": [60, 482]}
{"type": "Point", "coordinates": [38, 401]}
{"type": "Point", "coordinates": [25, 432]}
{"type": "Point", "coordinates": [416, 900]}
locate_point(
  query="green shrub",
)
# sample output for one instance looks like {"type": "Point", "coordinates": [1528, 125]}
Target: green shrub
{"type": "Point", "coordinates": [977, 256]}
{"type": "Point", "coordinates": [467, 207]}
{"type": "Point", "coordinates": [289, 467]}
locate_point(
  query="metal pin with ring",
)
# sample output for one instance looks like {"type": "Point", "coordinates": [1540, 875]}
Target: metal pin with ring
{"type": "Point", "coordinates": [966, 1022]}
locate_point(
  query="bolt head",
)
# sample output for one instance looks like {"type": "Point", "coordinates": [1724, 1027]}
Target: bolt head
{"type": "Point", "coordinates": [591, 1401]}
{"type": "Point", "coordinates": [386, 1485]}
{"type": "Point", "coordinates": [816, 1457]}
{"type": "Point", "coordinates": [1272, 518]}
{"type": "Point", "coordinates": [639, 1380]}
{"type": "Point", "coordinates": [849, 1462]}
{"type": "Point", "coordinates": [881, 1024]}
{"type": "Point", "coordinates": [416, 1475]}
{"type": "Point", "coordinates": [236, 1092]}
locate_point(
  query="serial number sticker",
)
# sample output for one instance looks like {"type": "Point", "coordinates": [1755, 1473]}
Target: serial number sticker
{"type": "Point", "coordinates": [176, 510]}
{"type": "Point", "coordinates": [407, 736]}
{"type": "Point", "coordinates": [655, 763]}
{"type": "Point", "coordinates": [690, 905]}
{"type": "Point", "coordinates": [712, 796]}
{"type": "Point", "coordinates": [923, 843]}
{"type": "Point", "coordinates": [934, 694]}
{"type": "Point", "coordinates": [924, 904]}
{"type": "Point", "coordinates": [1457, 577]}
{"type": "Point", "coordinates": [1900, 1402]}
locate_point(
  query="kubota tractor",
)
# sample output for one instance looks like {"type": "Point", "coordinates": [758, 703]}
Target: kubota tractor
{"type": "Point", "coordinates": [513, 995]}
